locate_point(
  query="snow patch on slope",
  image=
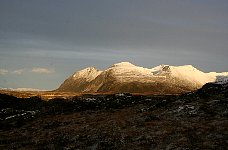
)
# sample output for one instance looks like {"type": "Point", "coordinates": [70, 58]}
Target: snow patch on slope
{"type": "Point", "coordinates": [123, 64]}
{"type": "Point", "coordinates": [126, 70]}
{"type": "Point", "coordinates": [188, 72]}
{"type": "Point", "coordinates": [161, 69]}
{"type": "Point", "coordinates": [120, 74]}
{"type": "Point", "coordinates": [89, 74]}
{"type": "Point", "coordinates": [220, 78]}
{"type": "Point", "coordinates": [185, 72]}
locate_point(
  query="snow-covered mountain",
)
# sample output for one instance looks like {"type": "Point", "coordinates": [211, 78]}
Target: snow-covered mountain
{"type": "Point", "coordinates": [126, 77]}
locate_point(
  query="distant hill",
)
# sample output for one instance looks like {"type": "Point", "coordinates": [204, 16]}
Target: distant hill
{"type": "Point", "coordinates": [21, 89]}
{"type": "Point", "coordinates": [126, 77]}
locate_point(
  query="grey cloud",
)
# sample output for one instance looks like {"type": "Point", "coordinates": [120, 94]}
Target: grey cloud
{"type": "Point", "coordinates": [70, 35]}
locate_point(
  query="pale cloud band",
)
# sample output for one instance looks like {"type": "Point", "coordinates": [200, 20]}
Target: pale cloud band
{"type": "Point", "coordinates": [18, 72]}
{"type": "Point", "coordinates": [3, 71]}
{"type": "Point", "coordinates": [39, 70]}
{"type": "Point", "coordinates": [42, 70]}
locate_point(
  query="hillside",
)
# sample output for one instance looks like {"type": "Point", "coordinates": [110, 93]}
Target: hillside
{"type": "Point", "coordinates": [196, 120]}
{"type": "Point", "coordinates": [126, 77]}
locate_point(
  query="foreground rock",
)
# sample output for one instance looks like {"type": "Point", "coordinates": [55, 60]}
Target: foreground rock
{"type": "Point", "coordinates": [122, 121]}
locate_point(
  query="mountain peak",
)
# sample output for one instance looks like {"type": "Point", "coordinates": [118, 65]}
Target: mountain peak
{"type": "Point", "coordinates": [89, 73]}
{"type": "Point", "coordinates": [123, 64]}
{"type": "Point", "coordinates": [158, 69]}
{"type": "Point", "coordinates": [85, 71]}
{"type": "Point", "coordinates": [186, 68]}
{"type": "Point", "coordinates": [126, 77]}
{"type": "Point", "coordinates": [169, 68]}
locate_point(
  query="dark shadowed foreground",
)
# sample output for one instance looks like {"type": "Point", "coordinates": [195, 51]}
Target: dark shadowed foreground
{"type": "Point", "coordinates": [192, 121]}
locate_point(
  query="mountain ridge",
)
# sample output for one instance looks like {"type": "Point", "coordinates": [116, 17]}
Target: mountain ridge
{"type": "Point", "coordinates": [127, 77]}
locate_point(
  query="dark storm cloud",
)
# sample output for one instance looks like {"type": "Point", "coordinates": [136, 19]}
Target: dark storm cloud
{"type": "Point", "coordinates": [122, 24]}
{"type": "Point", "coordinates": [78, 33]}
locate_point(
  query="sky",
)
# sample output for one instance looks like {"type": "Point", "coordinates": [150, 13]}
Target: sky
{"type": "Point", "coordinates": [42, 42]}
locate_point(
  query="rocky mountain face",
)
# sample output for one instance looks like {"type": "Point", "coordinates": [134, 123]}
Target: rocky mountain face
{"type": "Point", "coordinates": [126, 77]}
